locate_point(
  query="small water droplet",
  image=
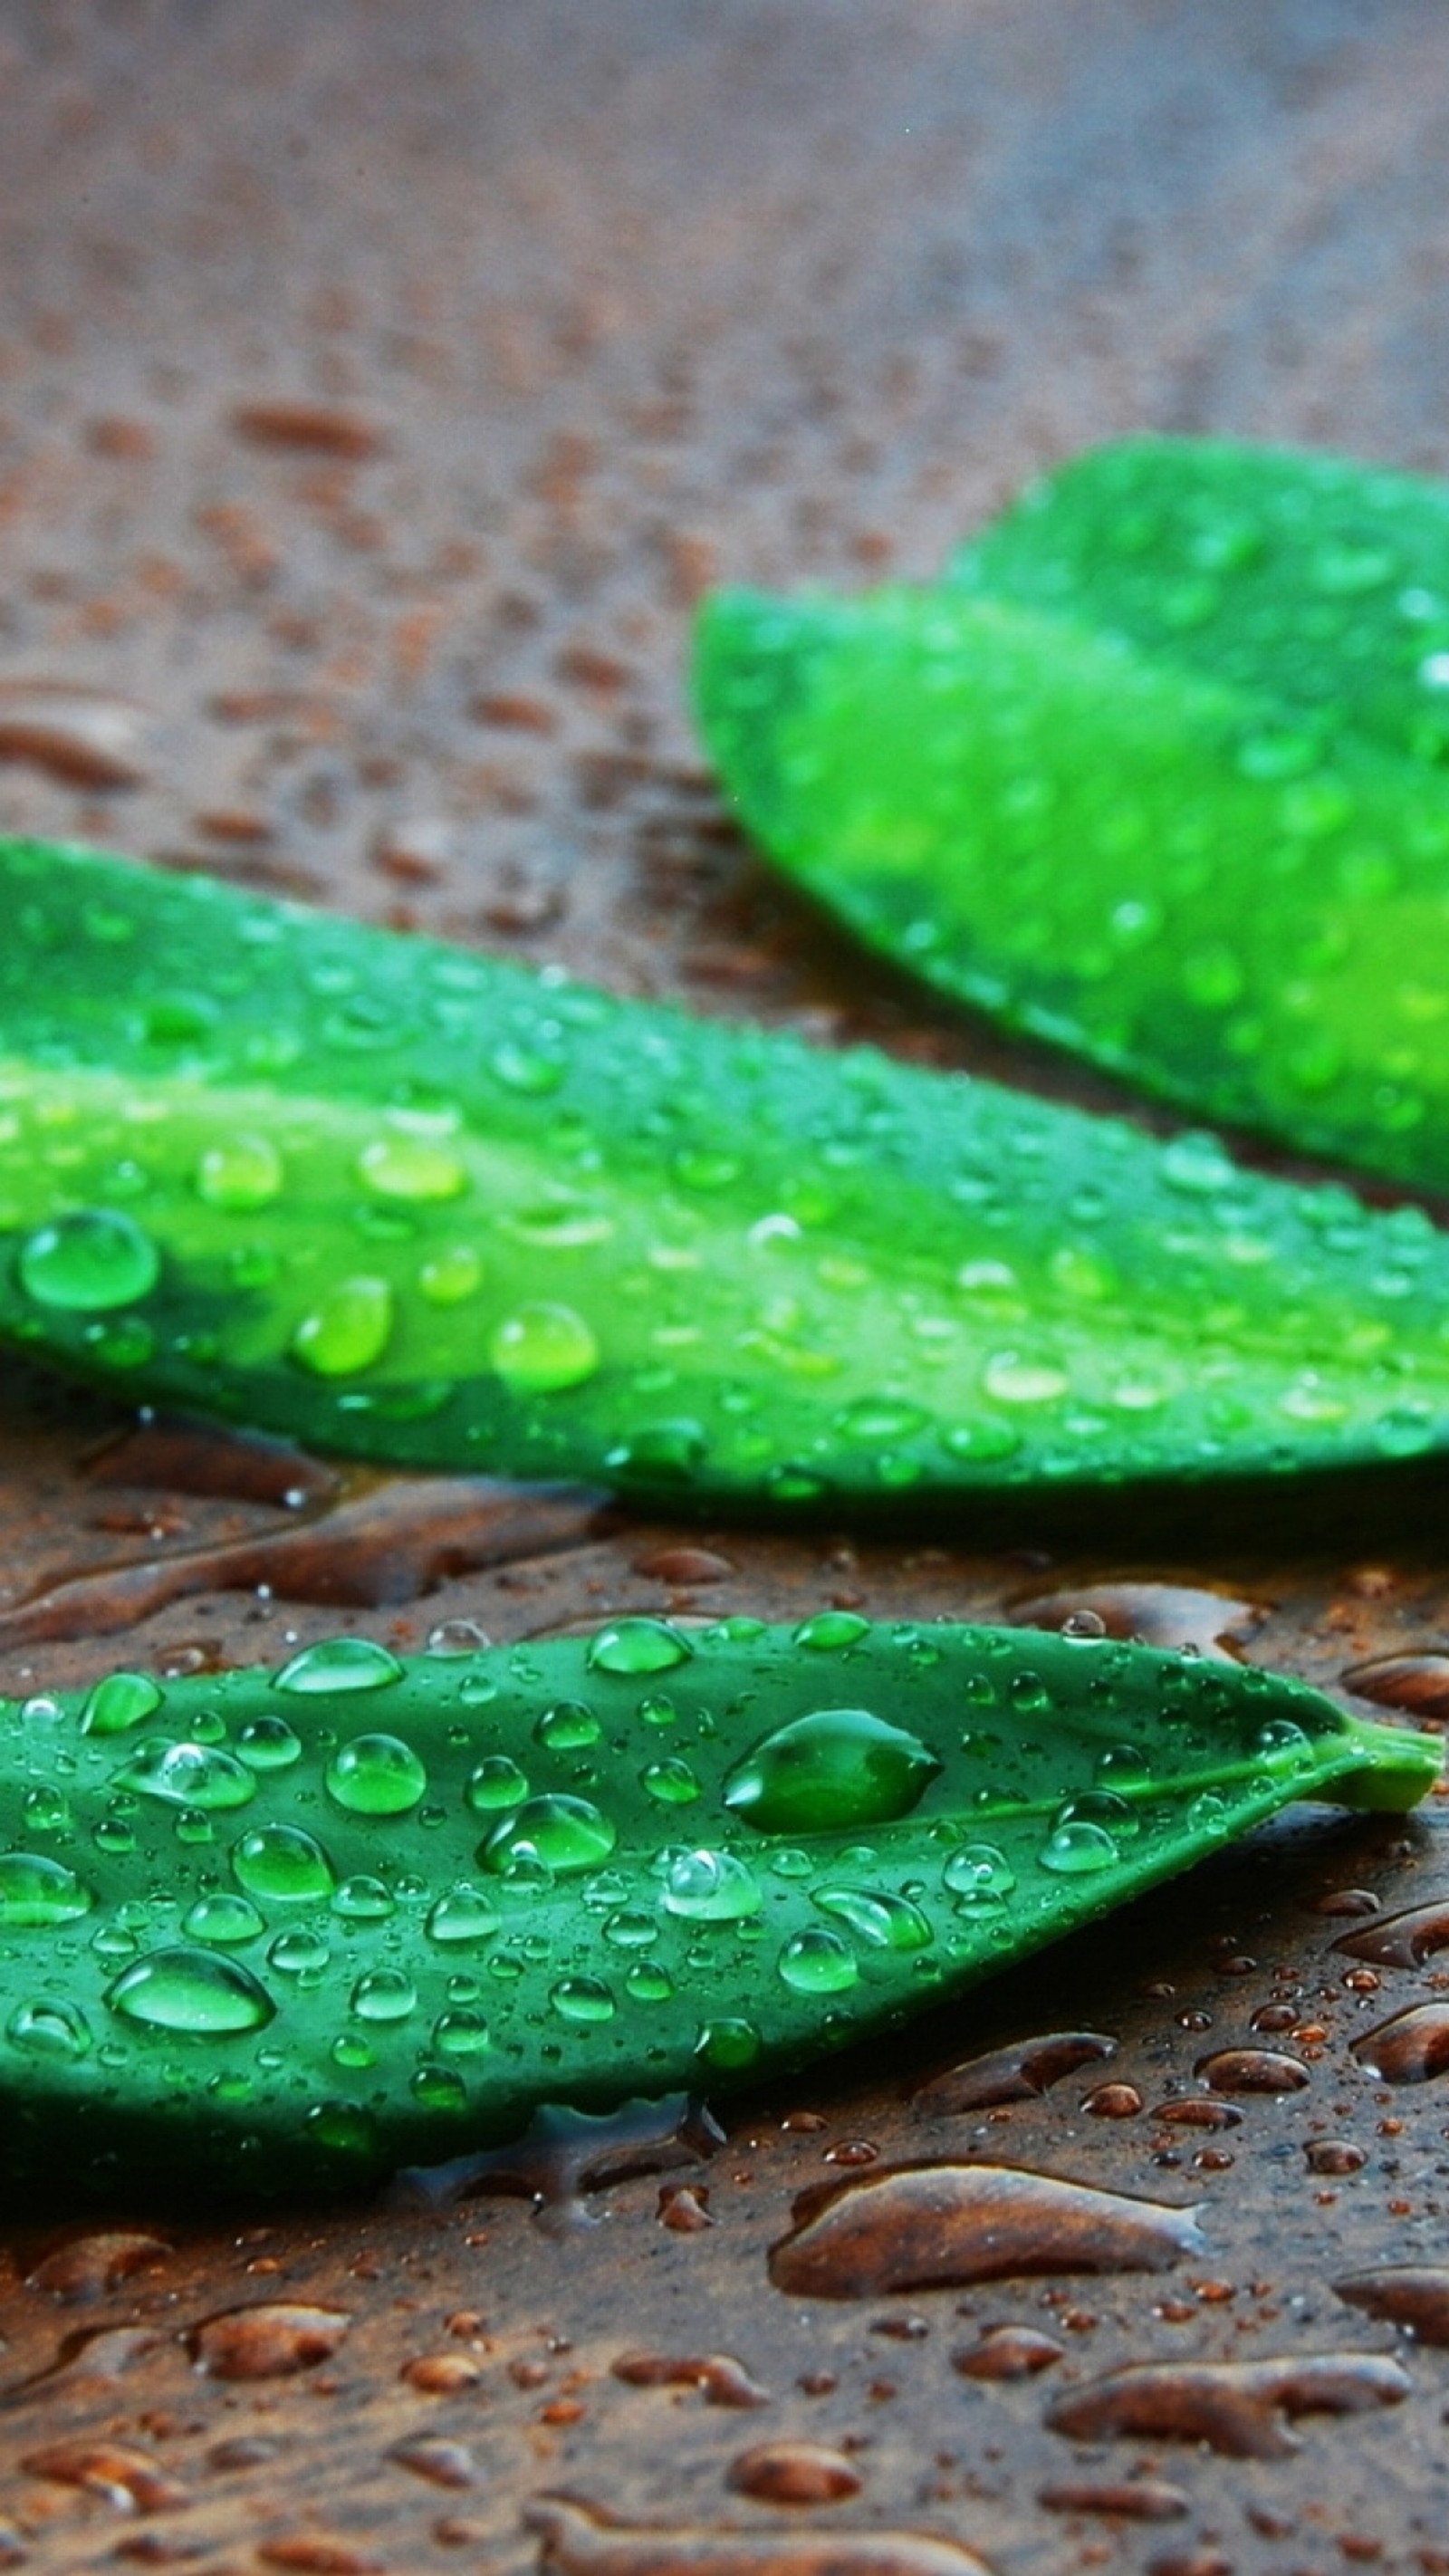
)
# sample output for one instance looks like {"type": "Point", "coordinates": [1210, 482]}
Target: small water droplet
{"type": "Point", "coordinates": [496, 1782]}
{"type": "Point", "coordinates": [979, 1874]}
{"type": "Point", "coordinates": [463, 1913]}
{"type": "Point", "coordinates": [416, 1169]}
{"type": "Point", "coordinates": [340, 1664]}
{"type": "Point", "coordinates": [585, 1999]}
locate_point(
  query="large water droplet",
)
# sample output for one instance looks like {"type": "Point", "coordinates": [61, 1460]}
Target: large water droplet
{"type": "Point", "coordinates": [282, 1863]}
{"type": "Point", "coordinates": [376, 1775]}
{"type": "Point", "coordinates": [187, 1775]}
{"type": "Point", "coordinates": [340, 1664]}
{"type": "Point", "coordinates": [37, 1891]}
{"type": "Point", "coordinates": [563, 1833]}
{"type": "Point", "coordinates": [637, 1646]}
{"type": "Point", "coordinates": [838, 1766]}
{"type": "Point", "coordinates": [88, 1262]}
{"type": "Point", "coordinates": [191, 1990]}
{"type": "Point", "coordinates": [541, 1349]}
{"type": "Point", "coordinates": [710, 1887]}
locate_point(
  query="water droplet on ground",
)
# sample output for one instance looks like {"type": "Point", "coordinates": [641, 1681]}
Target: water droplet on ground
{"type": "Point", "coordinates": [913, 2226]}
{"type": "Point", "coordinates": [1235, 2407]}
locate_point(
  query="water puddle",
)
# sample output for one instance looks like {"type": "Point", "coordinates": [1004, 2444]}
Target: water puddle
{"type": "Point", "coordinates": [564, 2153]}
{"type": "Point", "coordinates": [1414, 2296]}
{"type": "Point", "coordinates": [721, 2380]}
{"type": "Point", "coordinates": [1410, 2049]}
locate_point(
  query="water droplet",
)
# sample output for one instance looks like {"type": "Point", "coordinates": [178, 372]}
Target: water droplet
{"type": "Point", "coordinates": [88, 1262]}
{"type": "Point", "coordinates": [240, 1173]}
{"type": "Point", "coordinates": [300, 1954]}
{"type": "Point", "coordinates": [794, 2473]}
{"type": "Point", "coordinates": [191, 1990]}
{"type": "Point", "coordinates": [816, 1962]}
{"type": "Point", "coordinates": [562, 1833]}
{"type": "Point", "coordinates": [830, 1630]}
{"type": "Point", "coordinates": [416, 1169]}
{"type": "Point", "coordinates": [637, 1646]}
{"type": "Point", "coordinates": [282, 1863]}
{"type": "Point", "coordinates": [1013, 1377]}
{"type": "Point", "coordinates": [568, 1728]}
{"type": "Point", "coordinates": [451, 1276]}
{"type": "Point", "coordinates": [886, 1921]}
{"type": "Point", "coordinates": [979, 1874]}
{"type": "Point", "coordinates": [1412, 2048]}
{"type": "Point", "coordinates": [187, 1775]}
{"type": "Point", "coordinates": [496, 1782]}
{"type": "Point", "coordinates": [361, 1899]}
{"type": "Point", "coordinates": [268, 1744]}
{"type": "Point", "coordinates": [462, 2033]}
{"type": "Point", "coordinates": [672, 1782]}
{"type": "Point", "coordinates": [120, 1702]}
{"type": "Point", "coordinates": [376, 1775]}
{"type": "Point", "coordinates": [340, 1664]}
{"type": "Point", "coordinates": [835, 1767]}
{"type": "Point", "coordinates": [463, 1913]}
{"type": "Point", "coordinates": [648, 1983]}
{"type": "Point", "coordinates": [909, 2226]}
{"type": "Point", "coordinates": [384, 1994]}
{"type": "Point", "coordinates": [47, 2028]}
{"type": "Point", "coordinates": [584, 1999]}
{"type": "Point", "coordinates": [1077, 1847]}
{"type": "Point", "coordinates": [542, 1349]}
{"type": "Point", "coordinates": [268, 2342]}
{"type": "Point", "coordinates": [729, 2044]}
{"type": "Point", "coordinates": [36, 1891]}
{"type": "Point", "coordinates": [347, 1330]}
{"type": "Point", "coordinates": [710, 1887]}
{"type": "Point", "coordinates": [223, 1919]}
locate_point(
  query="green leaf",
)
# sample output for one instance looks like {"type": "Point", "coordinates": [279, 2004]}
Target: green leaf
{"type": "Point", "coordinates": [401, 1200]}
{"type": "Point", "coordinates": [279, 1928]}
{"type": "Point", "coordinates": [1160, 773]}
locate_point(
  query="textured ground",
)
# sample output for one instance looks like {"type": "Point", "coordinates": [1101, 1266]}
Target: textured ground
{"type": "Point", "coordinates": [378, 388]}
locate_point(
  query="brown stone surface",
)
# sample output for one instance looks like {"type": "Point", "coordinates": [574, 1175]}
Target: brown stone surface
{"type": "Point", "coordinates": [378, 387]}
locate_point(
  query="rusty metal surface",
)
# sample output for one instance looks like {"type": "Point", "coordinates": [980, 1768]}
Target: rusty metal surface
{"type": "Point", "coordinates": [377, 389]}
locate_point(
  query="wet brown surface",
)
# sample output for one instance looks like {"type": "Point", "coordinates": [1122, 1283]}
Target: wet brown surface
{"type": "Point", "coordinates": [377, 389]}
